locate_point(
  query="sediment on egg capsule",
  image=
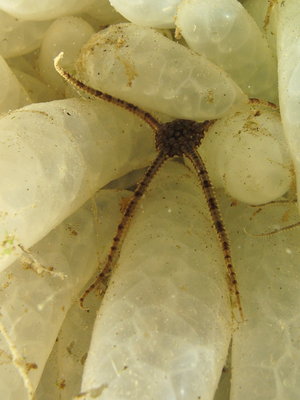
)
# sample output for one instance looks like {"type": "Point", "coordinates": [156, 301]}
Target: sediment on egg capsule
{"type": "Point", "coordinates": [265, 14]}
{"type": "Point", "coordinates": [165, 150]}
{"type": "Point", "coordinates": [247, 154]}
{"type": "Point", "coordinates": [141, 66]}
{"type": "Point", "coordinates": [46, 298]}
{"type": "Point", "coordinates": [255, 129]}
{"type": "Point", "coordinates": [264, 355]}
{"type": "Point", "coordinates": [178, 138]}
{"type": "Point", "coordinates": [269, 268]}
{"type": "Point", "coordinates": [61, 155]}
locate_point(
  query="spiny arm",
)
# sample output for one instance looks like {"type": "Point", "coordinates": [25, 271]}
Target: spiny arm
{"type": "Point", "coordinates": [145, 116]}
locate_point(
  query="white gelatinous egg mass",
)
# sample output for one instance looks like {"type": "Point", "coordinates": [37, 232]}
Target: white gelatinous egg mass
{"type": "Point", "coordinates": [19, 37]}
{"type": "Point", "coordinates": [155, 318]}
{"type": "Point", "coordinates": [288, 33]}
{"type": "Point", "coordinates": [43, 10]}
{"type": "Point", "coordinates": [226, 34]}
{"type": "Point", "coordinates": [247, 155]}
{"type": "Point", "coordinates": [68, 34]}
{"type": "Point", "coordinates": [12, 93]}
{"type": "Point", "coordinates": [265, 14]}
{"type": "Point", "coordinates": [292, 114]}
{"type": "Point", "coordinates": [205, 24]}
{"type": "Point", "coordinates": [73, 244]}
{"type": "Point", "coordinates": [154, 13]}
{"type": "Point", "coordinates": [61, 149]}
{"type": "Point", "coordinates": [140, 65]}
{"type": "Point", "coordinates": [164, 328]}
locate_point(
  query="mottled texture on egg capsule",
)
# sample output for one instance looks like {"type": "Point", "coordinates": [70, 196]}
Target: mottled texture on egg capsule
{"type": "Point", "coordinates": [164, 326]}
{"type": "Point", "coordinates": [246, 154]}
{"type": "Point", "coordinates": [142, 66]}
{"type": "Point", "coordinates": [65, 260]}
{"type": "Point", "coordinates": [54, 156]}
{"type": "Point", "coordinates": [226, 34]}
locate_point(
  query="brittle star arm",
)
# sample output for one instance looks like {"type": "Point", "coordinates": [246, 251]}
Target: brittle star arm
{"type": "Point", "coordinates": [274, 231]}
{"type": "Point", "coordinates": [145, 116]}
{"type": "Point", "coordinates": [214, 210]}
{"type": "Point", "coordinates": [104, 277]}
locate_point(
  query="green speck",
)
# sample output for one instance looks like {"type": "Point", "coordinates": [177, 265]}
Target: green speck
{"type": "Point", "coordinates": [7, 245]}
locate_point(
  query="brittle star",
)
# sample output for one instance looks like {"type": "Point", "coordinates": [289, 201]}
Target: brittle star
{"type": "Point", "coordinates": [177, 138]}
